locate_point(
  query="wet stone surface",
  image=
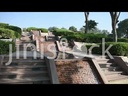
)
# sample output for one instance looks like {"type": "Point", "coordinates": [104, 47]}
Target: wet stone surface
{"type": "Point", "coordinates": [75, 72]}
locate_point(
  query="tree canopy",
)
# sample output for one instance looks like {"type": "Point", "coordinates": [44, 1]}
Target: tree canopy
{"type": "Point", "coordinates": [73, 28]}
{"type": "Point", "coordinates": [82, 29]}
{"type": "Point", "coordinates": [14, 30]}
{"type": "Point", "coordinates": [52, 28]}
{"type": "Point", "coordinates": [92, 24]}
{"type": "Point", "coordinates": [122, 28]}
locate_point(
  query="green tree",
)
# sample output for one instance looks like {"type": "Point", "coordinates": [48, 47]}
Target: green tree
{"type": "Point", "coordinates": [52, 28]}
{"type": "Point", "coordinates": [73, 28]}
{"type": "Point", "coordinates": [94, 30]}
{"type": "Point", "coordinates": [24, 29]}
{"type": "Point", "coordinates": [105, 32]}
{"type": "Point", "coordinates": [63, 28]}
{"type": "Point", "coordinates": [91, 25]}
{"type": "Point", "coordinates": [114, 21]}
{"type": "Point", "coordinates": [82, 29]}
{"type": "Point", "coordinates": [122, 28]}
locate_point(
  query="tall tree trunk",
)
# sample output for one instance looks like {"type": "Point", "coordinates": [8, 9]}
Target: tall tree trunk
{"type": "Point", "coordinates": [86, 21]}
{"type": "Point", "coordinates": [114, 31]}
{"type": "Point", "coordinates": [114, 19]}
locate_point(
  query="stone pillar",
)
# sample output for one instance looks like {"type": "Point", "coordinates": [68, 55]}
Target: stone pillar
{"type": "Point", "coordinates": [37, 44]}
{"type": "Point", "coordinates": [39, 32]}
{"type": "Point", "coordinates": [33, 37]}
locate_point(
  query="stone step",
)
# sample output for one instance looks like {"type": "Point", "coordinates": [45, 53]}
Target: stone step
{"type": "Point", "coordinates": [104, 60]}
{"type": "Point", "coordinates": [42, 82]}
{"type": "Point", "coordinates": [22, 69]}
{"type": "Point", "coordinates": [101, 57]}
{"type": "Point", "coordinates": [10, 75]}
{"type": "Point", "coordinates": [23, 66]}
{"type": "Point", "coordinates": [17, 83]}
{"type": "Point", "coordinates": [116, 77]}
{"type": "Point", "coordinates": [112, 69]}
{"type": "Point", "coordinates": [24, 63]}
{"type": "Point", "coordinates": [22, 58]}
{"type": "Point", "coordinates": [124, 57]}
{"type": "Point", "coordinates": [105, 65]}
{"type": "Point", "coordinates": [26, 80]}
{"type": "Point", "coordinates": [25, 60]}
{"type": "Point", "coordinates": [22, 72]}
{"type": "Point", "coordinates": [113, 72]}
{"type": "Point", "coordinates": [121, 81]}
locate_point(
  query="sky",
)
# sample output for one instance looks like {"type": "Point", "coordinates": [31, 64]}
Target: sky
{"type": "Point", "coordinates": [58, 19]}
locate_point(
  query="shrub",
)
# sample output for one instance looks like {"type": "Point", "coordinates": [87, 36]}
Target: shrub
{"type": "Point", "coordinates": [6, 33]}
{"type": "Point", "coordinates": [43, 30]}
{"type": "Point", "coordinates": [94, 38]}
{"type": "Point", "coordinates": [4, 47]}
{"type": "Point", "coordinates": [122, 39]}
{"type": "Point", "coordinates": [118, 48]}
{"type": "Point", "coordinates": [62, 32]}
{"type": "Point", "coordinates": [4, 24]}
{"type": "Point", "coordinates": [109, 39]}
{"type": "Point", "coordinates": [88, 38]}
{"type": "Point", "coordinates": [17, 30]}
{"type": "Point", "coordinates": [76, 37]}
{"type": "Point", "coordinates": [31, 28]}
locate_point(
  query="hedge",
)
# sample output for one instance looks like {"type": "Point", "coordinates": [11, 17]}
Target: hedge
{"type": "Point", "coordinates": [4, 47]}
{"type": "Point", "coordinates": [118, 48]}
{"type": "Point", "coordinates": [6, 33]}
{"type": "Point", "coordinates": [62, 32]}
{"type": "Point", "coordinates": [108, 39]}
{"type": "Point", "coordinates": [88, 38]}
{"type": "Point", "coordinates": [92, 38]}
{"type": "Point", "coordinates": [43, 30]}
{"type": "Point", "coordinates": [17, 30]}
{"type": "Point", "coordinates": [122, 39]}
{"type": "Point", "coordinates": [4, 24]}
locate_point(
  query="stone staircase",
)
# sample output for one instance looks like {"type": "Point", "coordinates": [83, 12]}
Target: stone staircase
{"type": "Point", "coordinates": [111, 71]}
{"type": "Point", "coordinates": [29, 70]}
{"type": "Point", "coordinates": [24, 71]}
